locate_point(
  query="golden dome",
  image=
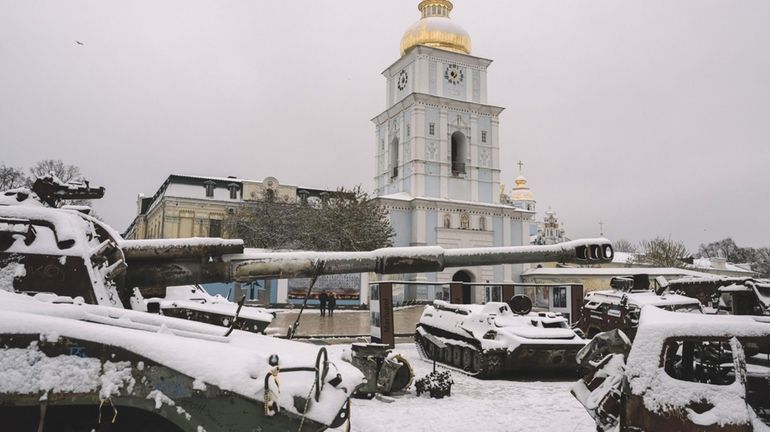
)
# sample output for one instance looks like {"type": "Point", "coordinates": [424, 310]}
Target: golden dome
{"type": "Point", "coordinates": [436, 30]}
{"type": "Point", "coordinates": [521, 192]}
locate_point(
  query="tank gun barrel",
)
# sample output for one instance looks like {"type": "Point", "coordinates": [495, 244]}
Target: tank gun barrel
{"type": "Point", "coordinates": [186, 261]}
{"type": "Point", "coordinates": [419, 259]}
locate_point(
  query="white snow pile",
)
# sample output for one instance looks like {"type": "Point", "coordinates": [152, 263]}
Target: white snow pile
{"type": "Point", "coordinates": [662, 392]}
{"type": "Point", "coordinates": [10, 272]}
{"type": "Point", "coordinates": [30, 371]}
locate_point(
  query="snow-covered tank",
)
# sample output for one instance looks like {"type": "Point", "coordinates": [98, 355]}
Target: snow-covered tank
{"type": "Point", "coordinates": [488, 340]}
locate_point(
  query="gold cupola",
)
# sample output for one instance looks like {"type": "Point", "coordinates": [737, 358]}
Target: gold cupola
{"type": "Point", "coordinates": [521, 191]}
{"type": "Point", "coordinates": [436, 30]}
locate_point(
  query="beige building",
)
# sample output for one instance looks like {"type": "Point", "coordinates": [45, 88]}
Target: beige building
{"type": "Point", "coordinates": [192, 206]}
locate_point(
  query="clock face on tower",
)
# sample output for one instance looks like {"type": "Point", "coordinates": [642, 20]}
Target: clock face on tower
{"type": "Point", "coordinates": [403, 78]}
{"type": "Point", "coordinates": [453, 74]}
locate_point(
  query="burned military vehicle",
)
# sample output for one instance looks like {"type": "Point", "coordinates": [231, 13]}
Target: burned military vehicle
{"type": "Point", "coordinates": [488, 340]}
{"type": "Point", "coordinates": [727, 295]}
{"type": "Point", "coordinates": [619, 307]}
{"type": "Point", "coordinates": [684, 372]}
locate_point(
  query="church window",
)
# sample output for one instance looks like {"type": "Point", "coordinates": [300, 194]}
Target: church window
{"type": "Point", "coordinates": [269, 194]}
{"type": "Point", "coordinates": [394, 158]}
{"type": "Point", "coordinates": [233, 190]}
{"type": "Point", "coordinates": [483, 136]}
{"type": "Point", "coordinates": [432, 128]}
{"type": "Point", "coordinates": [483, 223]}
{"type": "Point", "coordinates": [447, 221]}
{"type": "Point", "coordinates": [458, 153]}
{"type": "Point", "coordinates": [408, 130]}
{"type": "Point", "coordinates": [465, 221]}
{"type": "Point", "coordinates": [209, 188]}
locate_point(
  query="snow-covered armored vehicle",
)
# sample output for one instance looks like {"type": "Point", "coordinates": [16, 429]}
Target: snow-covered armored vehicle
{"type": "Point", "coordinates": [727, 295]}
{"type": "Point", "coordinates": [70, 366]}
{"type": "Point", "coordinates": [489, 340]}
{"type": "Point", "coordinates": [192, 302]}
{"type": "Point", "coordinates": [684, 372]}
{"type": "Point", "coordinates": [619, 307]}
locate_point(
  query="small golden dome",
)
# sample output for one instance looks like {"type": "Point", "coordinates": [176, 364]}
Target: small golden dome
{"type": "Point", "coordinates": [521, 192]}
{"type": "Point", "coordinates": [436, 30]}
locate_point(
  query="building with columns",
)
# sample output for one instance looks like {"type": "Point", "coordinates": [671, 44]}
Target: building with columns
{"type": "Point", "coordinates": [437, 164]}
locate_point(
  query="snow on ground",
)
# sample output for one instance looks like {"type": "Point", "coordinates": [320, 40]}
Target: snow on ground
{"type": "Point", "coordinates": [475, 405]}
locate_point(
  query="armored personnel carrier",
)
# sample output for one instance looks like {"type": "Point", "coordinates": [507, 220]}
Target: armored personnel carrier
{"type": "Point", "coordinates": [488, 340]}
{"type": "Point", "coordinates": [192, 302]}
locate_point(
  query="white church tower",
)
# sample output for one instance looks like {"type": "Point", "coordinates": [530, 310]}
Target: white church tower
{"type": "Point", "coordinates": [438, 149]}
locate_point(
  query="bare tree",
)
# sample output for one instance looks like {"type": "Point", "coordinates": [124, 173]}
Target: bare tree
{"type": "Point", "coordinates": [758, 258]}
{"type": "Point", "coordinates": [11, 177]}
{"type": "Point", "coordinates": [664, 252]}
{"type": "Point", "coordinates": [623, 245]}
{"type": "Point", "coordinates": [56, 167]}
{"type": "Point", "coordinates": [346, 220]}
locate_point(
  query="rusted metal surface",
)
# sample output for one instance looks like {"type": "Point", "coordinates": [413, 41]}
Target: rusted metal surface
{"type": "Point", "coordinates": [715, 366]}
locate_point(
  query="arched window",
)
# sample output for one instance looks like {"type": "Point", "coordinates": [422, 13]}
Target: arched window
{"type": "Point", "coordinates": [447, 221]}
{"type": "Point", "coordinates": [458, 154]}
{"type": "Point", "coordinates": [465, 221]}
{"type": "Point", "coordinates": [483, 223]}
{"type": "Point", "coordinates": [394, 158]}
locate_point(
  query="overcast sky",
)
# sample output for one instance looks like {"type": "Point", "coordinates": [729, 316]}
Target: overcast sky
{"type": "Point", "coordinates": [652, 116]}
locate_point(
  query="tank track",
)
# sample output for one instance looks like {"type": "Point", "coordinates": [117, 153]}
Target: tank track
{"type": "Point", "coordinates": [461, 357]}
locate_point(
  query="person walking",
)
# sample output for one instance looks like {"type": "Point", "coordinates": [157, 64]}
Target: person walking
{"type": "Point", "coordinates": [332, 303]}
{"type": "Point", "coordinates": [324, 300]}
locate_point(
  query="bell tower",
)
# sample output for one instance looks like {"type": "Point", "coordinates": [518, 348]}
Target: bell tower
{"type": "Point", "coordinates": [438, 138]}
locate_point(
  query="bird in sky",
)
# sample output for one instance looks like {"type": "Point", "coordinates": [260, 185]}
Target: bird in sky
{"type": "Point", "coordinates": [79, 43]}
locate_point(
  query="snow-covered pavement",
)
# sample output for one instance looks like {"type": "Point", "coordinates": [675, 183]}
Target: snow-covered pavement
{"type": "Point", "coordinates": [475, 405]}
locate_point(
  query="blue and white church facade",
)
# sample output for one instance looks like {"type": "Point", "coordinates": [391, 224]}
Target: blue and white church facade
{"type": "Point", "coordinates": [437, 165]}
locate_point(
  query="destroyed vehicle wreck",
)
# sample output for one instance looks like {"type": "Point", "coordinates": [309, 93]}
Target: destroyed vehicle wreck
{"type": "Point", "coordinates": [728, 295]}
{"type": "Point", "coordinates": [66, 365]}
{"type": "Point", "coordinates": [619, 307]}
{"type": "Point", "coordinates": [684, 372]}
{"type": "Point", "coordinates": [489, 340]}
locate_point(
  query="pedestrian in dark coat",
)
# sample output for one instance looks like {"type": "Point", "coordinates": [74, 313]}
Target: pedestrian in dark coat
{"type": "Point", "coordinates": [332, 303]}
{"type": "Point", "coordinates": [324, 300]}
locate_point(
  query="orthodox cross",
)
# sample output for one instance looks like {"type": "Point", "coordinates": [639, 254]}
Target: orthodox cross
{"type": "Point", "coordinates": [601, 228]}
{"type": "Point", "coordinates": [520, 164]}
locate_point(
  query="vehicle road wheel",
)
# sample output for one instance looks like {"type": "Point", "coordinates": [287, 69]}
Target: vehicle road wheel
{"type": "Point", "coordinates": [468, 359]}
{"type": "Point", "coordinates": [446, 355]}
{"type": "Point", "coordinates": [457, 356]}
